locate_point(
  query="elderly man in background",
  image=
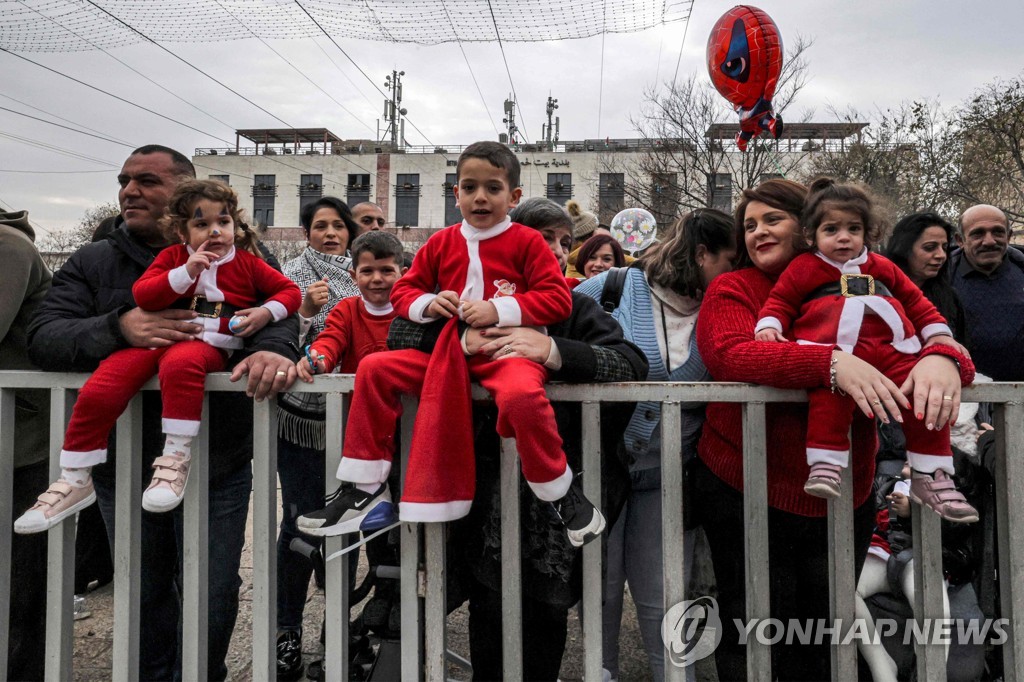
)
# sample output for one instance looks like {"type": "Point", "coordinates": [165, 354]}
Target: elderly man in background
{"type": "Point", "coordinates": [88, 314]}
{"type": "Point", "coordinates": [988, 275]}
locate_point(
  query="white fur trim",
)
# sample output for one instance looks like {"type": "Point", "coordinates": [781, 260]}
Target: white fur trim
{"type": "Point", "coordinates": [378, 310]}
{"type": "Point", "coordinates": [935, 330]}
{"type": "Point", "coordinates": [837, 457]}
{"type": "Point", "coordinates": [768, 323]}
{"type": "Point", "coordinates": [554, 489]}
{"type": "Point", "coordinates": [509, 312]}
{"type": "Point", "coordinates": [474, 288]}
{"type": "Point", "coordinates": [878, 552]}
{"type": "Point", "coordinates": [850, 321]}
{"type": "Point", "coordinates": [179, 279]}
{"type": "Point", "coordinates": [363, 470]}
{"type": "Point", "coordinates": [433, 512]}
{"type": "Point", "coordinates": [892, 319]}
{"type": "Point", "coordinates": [277, 310]}
{"type": "Point", "coordinates": [928, 464]}
{"type": "Point", "coordinates": [180, 427]}
{"type": "Point", "coordinates": [77, 460]}
{"type": "Point", "coordinates": [226, 341]}
{"type": "Point", "coordinates": [417, 311]}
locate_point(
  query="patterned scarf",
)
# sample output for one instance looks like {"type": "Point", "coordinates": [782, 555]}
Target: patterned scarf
{"type": "Point", "coordinates": [301, 415]}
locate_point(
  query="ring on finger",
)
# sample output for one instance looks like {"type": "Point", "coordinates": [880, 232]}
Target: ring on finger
{"type": "Point", "coordinates": [281, 372]}
{"type": "Point", "coordinates": [876, 401]}
{"type": "Point", "coordinates": [947, 397]}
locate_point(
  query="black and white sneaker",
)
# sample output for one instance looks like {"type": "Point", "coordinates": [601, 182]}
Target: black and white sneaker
{"type": "Point", "coordinates": [582, 521]}
{"type": "Point", "coordinates": [350, 510]}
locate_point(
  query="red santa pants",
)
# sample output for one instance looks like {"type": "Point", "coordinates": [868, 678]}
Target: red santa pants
{"type": "Point", "coordinates": [182, 369]}
{"type": "Point", "coordinates": [443, 490]}
{"type": "Point", "coordinates": [829, 415]}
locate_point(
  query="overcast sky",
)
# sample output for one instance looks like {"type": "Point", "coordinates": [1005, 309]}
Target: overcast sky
{"type": "Point", "coordinates": [866, 54]}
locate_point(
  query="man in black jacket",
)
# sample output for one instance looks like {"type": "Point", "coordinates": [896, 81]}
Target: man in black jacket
{"type": "Point", "coordinates": [88, 314]}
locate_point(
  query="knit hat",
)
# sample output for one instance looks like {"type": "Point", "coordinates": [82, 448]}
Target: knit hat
{"type": "Point", "coordinates": [584, 222]}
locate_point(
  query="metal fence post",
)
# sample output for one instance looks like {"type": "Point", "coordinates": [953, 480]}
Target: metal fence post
{"type": "Point", "coordinates": [672, 532]}
{"type": "Point", "coordinates": [60, 581]}
{"type": "Point", "coordinates": [593, 586]}
{"type": "Point", "coordinates": [412, 613]}
{"type": "Point", "coordinates": [127, 541]}
{"type": "Point", "coordinates": [6, 515]}
{"type": "Point", "coordinates": [755, 534]}
{"type": "Point", "coordinates": [196, 533]}
{"type": "Point", "coordinates": [336, 606]}
{"type": "Point", "coordinates": [511, 564]}
{"type": "Point", "coordinates": [264, 549]}
{"type": "Point", "coordinates": [1009, 478]}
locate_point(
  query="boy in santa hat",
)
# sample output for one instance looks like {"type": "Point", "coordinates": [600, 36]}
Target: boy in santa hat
{"type": "Point", "coordinates": [486, 271]}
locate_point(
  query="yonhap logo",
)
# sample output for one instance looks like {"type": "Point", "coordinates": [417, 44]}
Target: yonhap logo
{"type": "Point", "coordinates": [691, 630]}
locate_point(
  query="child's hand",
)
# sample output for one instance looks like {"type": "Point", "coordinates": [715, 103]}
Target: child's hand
{"type": "Point", "coordinates": [769, 335]}
{"type": "Point", "coordinates": [445, 304]}
{"type": "Point", "coordinates": [900, 504]}
{"type": "Point", "coordinates": [947, 340]}
{"type": "Point", "coordinates": [254, 319]}
{"type": "Point", "coordinates": [305, 371]}
{"type": "Point", "coordinates": [479, 314]}
{"type": "Point", "coordinates": [200, 260]}
{"type": "Point", "coordinates": [315, 299]}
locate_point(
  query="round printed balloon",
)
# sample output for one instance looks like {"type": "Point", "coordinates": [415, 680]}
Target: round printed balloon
{"type": "Point", "coordinates": [634, 229]}
{"type": "Point", "coordinates": [744, 56]}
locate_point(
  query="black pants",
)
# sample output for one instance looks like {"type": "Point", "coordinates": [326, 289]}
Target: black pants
{"type": "Point", "coordinates": [544, 630]}
{"type": "Point", "coordinates": [798, 576]}
{"type": "Point", "coordinates": [26, 646]}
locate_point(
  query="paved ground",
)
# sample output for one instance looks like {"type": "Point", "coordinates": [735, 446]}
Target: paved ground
{"type": "Point", "coordinates": [94, 637]}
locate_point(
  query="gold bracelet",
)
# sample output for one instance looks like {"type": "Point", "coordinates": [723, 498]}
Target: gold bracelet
{"type": "Point", "coordinates": [832, 382]}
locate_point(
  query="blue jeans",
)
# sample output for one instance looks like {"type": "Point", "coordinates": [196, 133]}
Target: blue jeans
{"type": "Point", "coordinates": [161, 586]}
{"type": "Point", "coordinates": [301, 471]}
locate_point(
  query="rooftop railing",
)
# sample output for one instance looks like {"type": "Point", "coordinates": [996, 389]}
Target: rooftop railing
{"type": "Point", "coordinates": [423, 603]}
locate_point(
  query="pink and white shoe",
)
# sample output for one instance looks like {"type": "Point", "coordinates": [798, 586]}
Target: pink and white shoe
{"type": "Point", "coordinates": [60, 501]}
{"type": "Point", "coordinates": [825, 480]}
{"type": "Point", "coordinates": [167, 488]}
{"type": "Point", "coordinates": [938, 492]}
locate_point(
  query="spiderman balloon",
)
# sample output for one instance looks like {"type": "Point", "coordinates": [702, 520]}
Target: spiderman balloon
{"type": "Point", "coordinates": [744, 61]}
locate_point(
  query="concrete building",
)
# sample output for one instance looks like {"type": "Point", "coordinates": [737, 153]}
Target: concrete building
{"type": "Point", "coordinates": [283, 169]}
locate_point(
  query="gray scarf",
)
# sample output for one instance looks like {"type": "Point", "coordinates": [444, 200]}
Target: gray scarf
{"type": "Point", "coordinates": [301, 417]}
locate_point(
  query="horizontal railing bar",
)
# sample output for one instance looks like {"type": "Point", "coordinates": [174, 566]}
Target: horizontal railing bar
{"type": "Point", "coordinates": [654, 391]}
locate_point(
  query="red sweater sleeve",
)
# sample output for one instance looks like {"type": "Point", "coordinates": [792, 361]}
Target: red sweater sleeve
{"type": "Point", "coordinates": [152, 291]}
{"type": "Point", "coordinates": [334, 340]}
{"type": "Point", "coordinates": [547, 299]}
{"type": "Point", "coordinates": [725, 338]}
{"type": "Point", "coordinates": [421, 277]}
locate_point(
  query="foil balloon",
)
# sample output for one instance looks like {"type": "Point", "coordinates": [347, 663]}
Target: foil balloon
{"type": "Point", "coordinates": [744, 61]}
{"type": "Point", "coordinates": [634, 229]}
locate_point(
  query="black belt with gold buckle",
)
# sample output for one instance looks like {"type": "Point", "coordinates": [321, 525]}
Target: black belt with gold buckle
{"type": "Point", "coordinates": [850, 286]}
{"type": "Point", "coordinates": [206, 308]}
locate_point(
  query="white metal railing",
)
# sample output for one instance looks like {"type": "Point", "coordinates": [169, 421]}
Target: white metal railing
{"type": "Point", "coordinates": [422, 546]}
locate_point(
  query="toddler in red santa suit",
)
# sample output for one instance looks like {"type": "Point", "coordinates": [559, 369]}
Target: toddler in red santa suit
{"type": "Point", "coordinates": [845, 296]}
{"type": "Point", "coordinates": [215, 270]}
{"type": "Point", "coordinates": [486, 271]}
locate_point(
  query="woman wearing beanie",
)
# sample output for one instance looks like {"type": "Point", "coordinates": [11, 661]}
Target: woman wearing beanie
{"type": "Point", "coordinates": [584, 225]}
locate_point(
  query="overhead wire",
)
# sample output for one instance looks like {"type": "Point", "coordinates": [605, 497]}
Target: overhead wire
{"type": "Point", "coordinates": [470, 67]}
{"type": "Point", "coordinates": [129, 67]}
{"type": "Point", "coordinates": [508, 71]}
{"type": "Point", "coordinates": [681, 45]}
{"type": "Point", "coordinates": [295, 68]}
{"type": "Point", "coordinates": [74, 130]}
{"type": "Point", "coordinates": [59, 118]}
{"type": "Point", "coordinates": [39, 144]}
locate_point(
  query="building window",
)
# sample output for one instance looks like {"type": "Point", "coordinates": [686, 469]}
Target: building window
{"type": "Point", "coordinates": [264, 189]}
{"type": "Point", "coordinates": [720, 191]}
{"type": "Point", "coordinates": [664, 198]}
{"type": "Point", "coordinates": [559, 188]}
{"type": "Point", "coordinates": [407, 199]}
{"type": "Point", "coordinates": [611, 196]}
{"type": "Point", "coordinates": [357, 189]}
{"type": "Point", "coordinates": [452, 214]}
{"type": "Point", "coordinates": [311, 188]}
{"type": "Point", "coordinates": [226, 179]}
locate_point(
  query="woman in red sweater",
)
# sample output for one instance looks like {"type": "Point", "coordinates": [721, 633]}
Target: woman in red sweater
{"type": "Point", "coordinates": [768, 225]}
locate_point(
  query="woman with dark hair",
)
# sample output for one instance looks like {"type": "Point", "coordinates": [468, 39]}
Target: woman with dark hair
{"type": "Point", "coordinates": [322, 273]}
{"type": "Point", "coordinates": [919, 246]}
{"type": "Point", "coordinates": [661, 297]}
{"type": "Point", "coordinates": [599, 253]}
{"type": "Point", "coordinates": [767, 220]}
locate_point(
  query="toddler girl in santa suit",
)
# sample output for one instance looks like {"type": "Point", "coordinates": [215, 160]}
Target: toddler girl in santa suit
{"type": "Point", "coordinates": [844, 295]}
{"type": "Point", "coordinates": [488, 271]}
{"type": "Point", "coordinates": [216, 269]}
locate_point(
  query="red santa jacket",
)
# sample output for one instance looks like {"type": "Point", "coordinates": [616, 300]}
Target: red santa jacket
{"type": "Point", "coordinates": [351, 333]}
{"type": "Point", "coordinates": [509, 264]}
{"type": "Point", "coordinates": [837, 319]}
{"type": "Point", "coordinates": [237, 278]}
